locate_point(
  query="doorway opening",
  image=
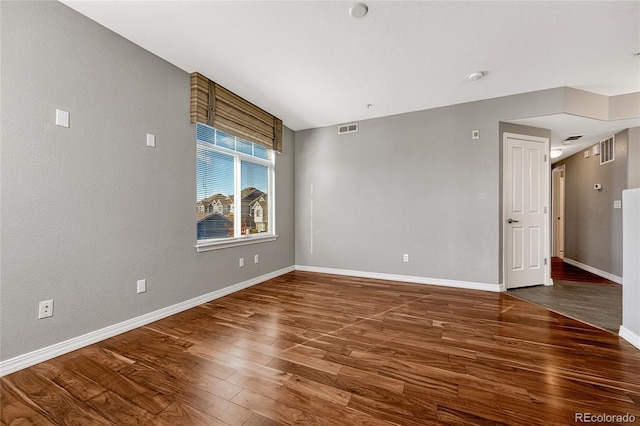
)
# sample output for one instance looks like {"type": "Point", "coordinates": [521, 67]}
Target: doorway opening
{"type": "Point", "coordinates": [576, 293]}
{"type": "Point", "coordinates": [557, 208]}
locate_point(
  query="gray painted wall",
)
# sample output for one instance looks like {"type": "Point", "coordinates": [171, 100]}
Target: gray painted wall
{"type": "Point", "coordinates": [593, 228]}
{"type": "Point", "coordinates": [633, 169]}
{"type": "Point", "coordinates": [88, 210]}
{"type": "Point", "coordinates": [414, 183]}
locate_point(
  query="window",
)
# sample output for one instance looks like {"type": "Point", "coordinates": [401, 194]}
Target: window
{"type": "Point", "coordinates": [229, 168]}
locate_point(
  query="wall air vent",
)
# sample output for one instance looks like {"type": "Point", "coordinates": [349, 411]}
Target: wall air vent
{"type": "Point", "coordinates": [607, 150]}
{"type": "Point", "coordinates": [348, 128]}
{"type": "Point", "coordinates": [568, 140]}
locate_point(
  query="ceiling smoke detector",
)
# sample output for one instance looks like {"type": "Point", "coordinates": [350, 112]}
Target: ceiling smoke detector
{"type": "Point", "coordinates": [358, 10]}
{"type": "Point", "coordinates": [474, 76]}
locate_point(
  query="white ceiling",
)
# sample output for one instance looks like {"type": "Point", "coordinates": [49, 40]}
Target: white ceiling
{"type": "Point", "coordinates": [312, 64]}
{"type": "Point", "coordinates": [564, 125]}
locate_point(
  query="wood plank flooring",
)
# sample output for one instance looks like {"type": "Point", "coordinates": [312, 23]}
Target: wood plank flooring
{"type": "Point", "coordinates": [315, 349]}
{"type": "Point", "coordinates": [564, 272]}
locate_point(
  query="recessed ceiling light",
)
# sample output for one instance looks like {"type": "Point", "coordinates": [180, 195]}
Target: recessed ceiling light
{"type": "Point", "coordinates": [476, 75]}
{"type": "Point", "coordinates": [358, 10]}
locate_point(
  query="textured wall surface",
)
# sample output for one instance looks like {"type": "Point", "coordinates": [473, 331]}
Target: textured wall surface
{"type": "Point", "coordinates": [633, 167]}
{"type": "Point", "coordinates": [414, 183]}
{"type": "Point", "coordinates": [593, 228]}
{"type": "Point", "coordinates": [88, 210]}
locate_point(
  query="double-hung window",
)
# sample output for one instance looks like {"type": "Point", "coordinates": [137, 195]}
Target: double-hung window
{"type": "Point", "coordinates": [234, 181]}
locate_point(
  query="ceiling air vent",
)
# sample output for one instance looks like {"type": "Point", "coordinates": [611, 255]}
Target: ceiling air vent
{"type": "Point", "coordinates": [568, 140]}
{"type": "Point", "coordinates": [348, 128]}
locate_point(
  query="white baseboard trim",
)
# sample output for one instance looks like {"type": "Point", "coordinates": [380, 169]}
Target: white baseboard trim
{"type": "Point", "coordinates": [629, 336]}
{"type": "Point", "coordinates": [598, 272]}
{"type": "Point", "coordinates": [404, 278]}
{"type": "Point", "coordinates": [40, 355]}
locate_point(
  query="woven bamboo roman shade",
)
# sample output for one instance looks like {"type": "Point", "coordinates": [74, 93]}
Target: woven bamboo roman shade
{"type": "Point", "coordinates": [216, 106]}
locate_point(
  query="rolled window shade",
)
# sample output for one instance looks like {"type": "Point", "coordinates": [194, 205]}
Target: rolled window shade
{"type": "Point", "coordinates": [218, 107]}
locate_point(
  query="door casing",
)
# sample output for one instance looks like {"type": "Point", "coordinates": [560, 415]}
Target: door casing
{"type": "Point", "coordinates": [557, 206]}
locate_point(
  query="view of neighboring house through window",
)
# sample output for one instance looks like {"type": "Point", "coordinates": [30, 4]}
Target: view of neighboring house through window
{"type": "Point", "coordinates": [230, 169]}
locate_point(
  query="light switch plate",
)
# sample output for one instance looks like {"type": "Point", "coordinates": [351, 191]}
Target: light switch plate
{"type": "Point", "coordinates": [62, 118]}
{"type": "Point", "coordinates": [151, 140]}
{"type": "Point", "coordinates": [617, 204]}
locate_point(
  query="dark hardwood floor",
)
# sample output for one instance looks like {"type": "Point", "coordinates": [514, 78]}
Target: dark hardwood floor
{"type": "Point", "coordinates": [314, 349]}
{"type": "Point", "coordinates": [564, 272]}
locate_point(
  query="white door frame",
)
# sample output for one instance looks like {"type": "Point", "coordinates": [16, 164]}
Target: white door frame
{"type": "Point", "coordinates": [557, 206]}
{"type": "Point", "coordinates": [547, 198]}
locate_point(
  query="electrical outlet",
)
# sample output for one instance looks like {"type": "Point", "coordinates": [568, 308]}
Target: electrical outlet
{"type": "Point", "coordinates": [142, 286]}
{"type": "Point", "coordinates": [45, 309]}
{"type": "Point", "coordinates": [241, 262]}
{"type": "Point", "coordinates": [405, 258]}
{"type": "Point", "coordinates": [256, 259]}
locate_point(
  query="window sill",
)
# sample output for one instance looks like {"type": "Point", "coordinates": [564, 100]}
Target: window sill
{"type": "Point", "coordinates": [233, 242]}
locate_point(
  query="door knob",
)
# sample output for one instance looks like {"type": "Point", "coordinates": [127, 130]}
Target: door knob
{"type": "Point", "coordinates": [512, 221]}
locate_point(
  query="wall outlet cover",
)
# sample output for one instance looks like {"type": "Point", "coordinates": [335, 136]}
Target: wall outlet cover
{"type": "Point", "coordinates": [45, 309]}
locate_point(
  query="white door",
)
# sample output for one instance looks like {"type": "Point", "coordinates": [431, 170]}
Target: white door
{"type": "Point", "coordinates": [525, 220]}
{"type": "Point", "coordinates": [557, 206]}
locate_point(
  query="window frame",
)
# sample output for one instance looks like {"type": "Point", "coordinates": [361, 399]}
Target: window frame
{"type": "Point", "coordinates": [238, 157]}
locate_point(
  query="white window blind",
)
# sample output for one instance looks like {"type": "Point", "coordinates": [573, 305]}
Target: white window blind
{"type": "Point", "coordinates": [234, 186]}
